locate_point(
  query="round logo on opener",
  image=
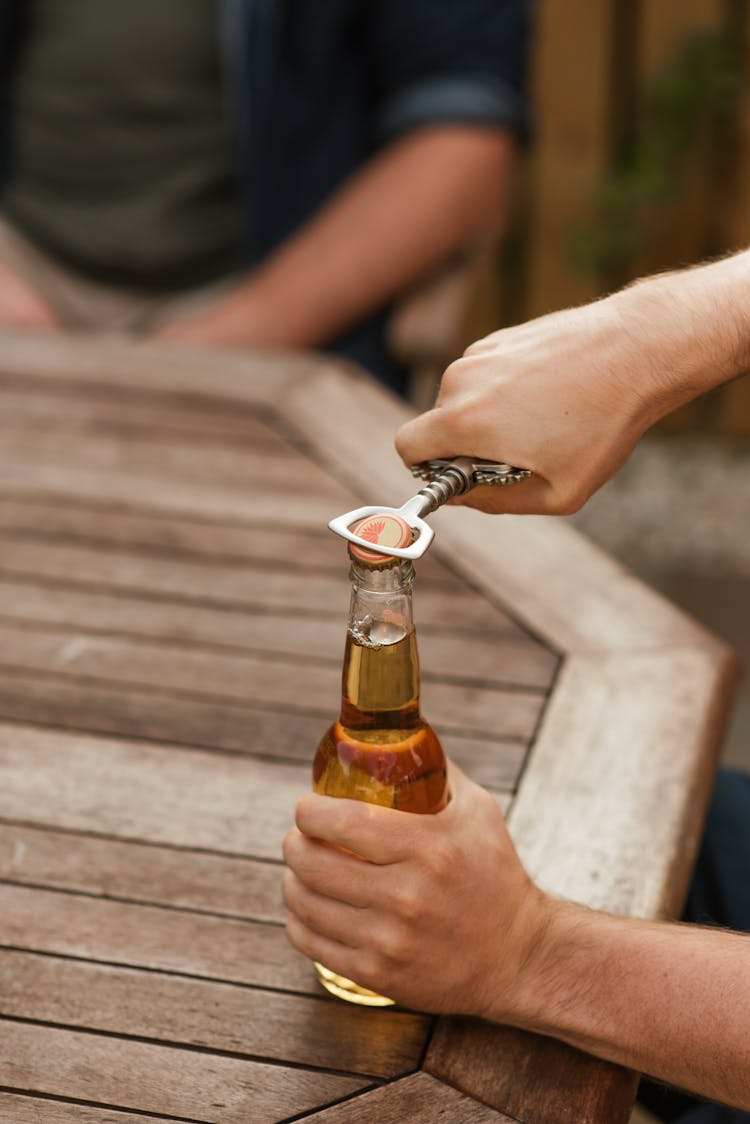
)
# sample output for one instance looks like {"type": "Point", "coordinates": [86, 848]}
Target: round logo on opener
{"type": "Point", "coordinates": [383, 529]}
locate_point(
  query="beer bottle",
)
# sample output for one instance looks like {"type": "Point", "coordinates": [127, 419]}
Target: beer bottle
{"type": "Point", "coordinates": [380, 749]}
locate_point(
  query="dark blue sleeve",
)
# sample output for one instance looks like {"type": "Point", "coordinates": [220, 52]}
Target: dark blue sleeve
{"type": "Point", "coordinates": [437, 61]}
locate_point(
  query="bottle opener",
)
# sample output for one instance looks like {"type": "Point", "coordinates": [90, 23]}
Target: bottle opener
{"type": "Point", "coordinates": [446, 478]}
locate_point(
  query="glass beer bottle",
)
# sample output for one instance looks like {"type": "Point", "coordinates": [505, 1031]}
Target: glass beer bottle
{"type": "Point", "coordinates": [380, 749]}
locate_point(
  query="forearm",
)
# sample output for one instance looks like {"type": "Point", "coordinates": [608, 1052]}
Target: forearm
{"type": "Point", "coordinates": [689, 331]}
{"type": "Point", "coordinates": [405, 212]}
{"type": "Point", "coordinates": [672, 1001]}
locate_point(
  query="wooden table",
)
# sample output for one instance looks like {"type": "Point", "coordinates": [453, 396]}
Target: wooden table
{"type": "Point", "coordinates": [172, 615]}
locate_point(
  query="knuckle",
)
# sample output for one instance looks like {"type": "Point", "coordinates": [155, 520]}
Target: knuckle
{"type": "Point", "coordinates": [289, 845]}
{"type": "Point", "coordinates": [407, 903]}
{"type": "Point", "coordinates": [570, 499]}
{"type": "Point", "coordinates": [455, 376]}
{"type": "Point", "coordinates": [371, 972]}
{"type": "Point", "coordinates": [287, 888]}
{"type": "Point", "coordinates": [443, 858]}
{"type": "Point", "coordinates": [297, 935]}
{"type": "Point", "coordinates": [389, 945]}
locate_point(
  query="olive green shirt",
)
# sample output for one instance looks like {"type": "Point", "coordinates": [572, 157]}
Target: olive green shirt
{"type": "Point", "coordinates": [122, 161]}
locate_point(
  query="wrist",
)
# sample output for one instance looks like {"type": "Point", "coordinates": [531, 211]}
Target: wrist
{"type": "Point", "coordinates": [552, 971]}
{"type": "Point", "coordinates": [519, 998]}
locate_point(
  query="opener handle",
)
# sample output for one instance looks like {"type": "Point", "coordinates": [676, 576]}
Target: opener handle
{"type": "Point", "coordinates": [478, 471]}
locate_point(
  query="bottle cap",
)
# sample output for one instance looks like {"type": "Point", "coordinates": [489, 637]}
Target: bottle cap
{"type": "Point", "coordinates": [383, 529]}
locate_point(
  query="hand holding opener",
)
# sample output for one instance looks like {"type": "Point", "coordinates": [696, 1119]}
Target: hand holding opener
{"type": "Point", "coordinates": [447, 477]}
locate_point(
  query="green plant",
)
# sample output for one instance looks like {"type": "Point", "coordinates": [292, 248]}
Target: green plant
{"type": "Point", "coordinates": [697, 92]}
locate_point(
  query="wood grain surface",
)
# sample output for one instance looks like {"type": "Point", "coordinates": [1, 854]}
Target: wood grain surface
{"type": "Point", "coordinates": [172, 615]}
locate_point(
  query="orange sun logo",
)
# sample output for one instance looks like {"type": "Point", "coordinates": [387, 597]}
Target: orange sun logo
{"type": "Point", "coordinates": [373, 532]}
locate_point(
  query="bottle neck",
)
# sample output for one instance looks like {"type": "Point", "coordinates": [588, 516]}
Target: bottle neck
{"type": "Point", "coordinates": [380, 686]}
{"type": "Point", "coordinates": [380, 611]}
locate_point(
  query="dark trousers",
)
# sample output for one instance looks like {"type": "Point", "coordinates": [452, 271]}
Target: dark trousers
{"type": "Point", "coordinates": [719, 895]}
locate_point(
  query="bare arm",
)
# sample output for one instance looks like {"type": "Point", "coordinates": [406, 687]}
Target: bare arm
{"type": "Point", "coordinates": [569, 395]}
{"type": "Point", "coordinates": [669, 1000]}
{"type": "Point", "coordinates": [409, 209]}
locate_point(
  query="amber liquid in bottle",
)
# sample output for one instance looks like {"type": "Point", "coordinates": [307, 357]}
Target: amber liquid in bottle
{"type": "Point", "coordinates": [380, 750]}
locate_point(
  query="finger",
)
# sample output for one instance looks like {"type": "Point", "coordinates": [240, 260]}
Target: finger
{"type": "Point", "coordinates": [531, 496]}
{"type": "Point", "coordinates": [338, 957]}
{"type": "Point", "coordinates": [425, 437]}
{"type": "Point", "coordinates": [379, 835]}
{"type": "Point", "coordinates": [329, 871]}
{"type": "Point", "coordinates": [339, 921]}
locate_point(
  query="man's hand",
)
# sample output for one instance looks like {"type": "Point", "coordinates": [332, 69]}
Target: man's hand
{"type": "Point", "coordinates": [232, 321]}
{"type": "Point", "coordinates": [440, 915]}
{"type": "Point", "coordinates": [569, 395]}
{"type": "Point", "coordinates": [21, 306]}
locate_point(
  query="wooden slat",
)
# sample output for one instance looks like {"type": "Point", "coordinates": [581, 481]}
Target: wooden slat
{"type": "Point", "coordinates": [178, 1011]}
{"type": "Point", "coordinates": [683, 230]}
{"type": "Point", "coordinates": [530, 1078]}
{"type": "Point", "coordinates": [143, 936]}
{"type": "Point", "coordinates": [278, 682]}
{"type": "Point", "coordinates": [160, 461]}
{"type": "Point", "coordinates": [85, 706]}
{"type": "Point", "coordinates": [36, 1110]}
{"type": "Point", "coordinates": [249, 584]}
{"type": "Point", "coordinates": [149, 367]}
{"type": "Point", "coordinates": [187, 1084]}
{"type": "Point", "coordinates": [506, 660]}
{"type": "Point", "coordinates": [24, 402]}
{"type": "Point", "coordinates": [418, 1099]}
{"type": "Point", "coordinates": [209, 538]}
{"type": "Point", "coordinates": [633, 784]}
{"type": "Point", "coordinates": [136, 872]}
{"type": "Point", "coordinates": [136, 791]}
{"type": "Point", "coordinates": [575, 142]}
{"type": "Point", "coordinates": [50, 481]}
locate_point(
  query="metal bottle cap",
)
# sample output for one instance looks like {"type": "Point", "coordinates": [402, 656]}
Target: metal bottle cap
{"type": "Point", "coordinates": [383, 528]}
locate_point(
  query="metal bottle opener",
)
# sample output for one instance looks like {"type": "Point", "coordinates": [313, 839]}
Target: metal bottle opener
{"type": "Point", "coordinates": [446, 478]}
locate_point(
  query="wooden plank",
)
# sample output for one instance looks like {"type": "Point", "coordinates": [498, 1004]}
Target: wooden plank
{"type": "Point", "coordinates": [682, 229]}
{"type": "Point", "coordinates": [186, 798]}
{"type": "Point", "coordinates": [190, 1085]}
{"type": "Point", "coordinates": [207, 538]}
{"type": "Point", "coordinates": [237, 584]}
{"type": "Point", "coordinates": [83, 705]}
{"type": "Point", "coordinates": [259, 1024]}
{"type": "Point", "coordinates": [574, 143]}
{"type": "Point", "coordinates": [100, 411]}
{"type": "Point", "coordinates": [294, 684]}
{"type": "Point", "coordinates": [160, 461]}
{"type": "Point", "coordinates": [418, 1099]}
{"type": "Point", "coordinates": [187, 879]}
{"type": "Point", "coordinates": [457, 656]}
{"type": "Point", "coordinates": [87, 360]}
{"type": "Point", "coordinates": [138, 792]}
{"type": "Point", "coordinates": [143, 936]}
{"type": "Point", "coordinates": [57, 481]}
{"type": "Point", "coordinates": [534, 1079]}
{"type": "Point", "coordinates": [615, 821]}
{"type": "Point", "coordinates": [25, 1109]}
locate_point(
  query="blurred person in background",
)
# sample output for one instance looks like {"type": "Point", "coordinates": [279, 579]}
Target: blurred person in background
{"type": "Point", "coordinates": [246, 173]}
{"type": "Point", "coordinates": [442, 916]}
